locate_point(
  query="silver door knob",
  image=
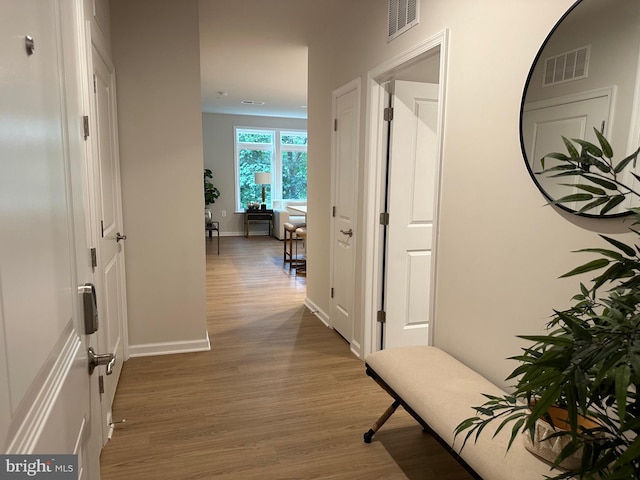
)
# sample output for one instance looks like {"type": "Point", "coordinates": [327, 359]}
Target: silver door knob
{"type": "Point", "coordinates": [120, 237]}
{"type": "Point", "coordinates": [348, 232]}
{"type": "Point", "coordinates": [95, 359]}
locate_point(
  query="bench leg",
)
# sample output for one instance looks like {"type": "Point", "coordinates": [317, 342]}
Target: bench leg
{"type": "Point", "coordinates": [381, 421]}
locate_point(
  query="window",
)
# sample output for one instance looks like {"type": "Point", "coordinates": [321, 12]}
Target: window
{"type": "Point", "coordinates": [283, 153]}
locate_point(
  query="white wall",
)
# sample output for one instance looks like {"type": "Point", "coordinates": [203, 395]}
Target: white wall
{"type": "Point", "coordinates": [156, 54]}
{"type": "Point", "coordinates": [219, 146]}
{"type": "Point", "coordinates": [500, 248]}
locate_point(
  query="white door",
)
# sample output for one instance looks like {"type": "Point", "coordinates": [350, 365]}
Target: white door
{"type": "Point", "coordinates": [345, 186]}
{"type": "Point", "coordinates": [45, 387]}
{"type": "Point", "coordinates": [414, 172]}
{"type": "Point", "coordinates": [543, 128]}
{"type": "Point", "coordinates": [108, 217]}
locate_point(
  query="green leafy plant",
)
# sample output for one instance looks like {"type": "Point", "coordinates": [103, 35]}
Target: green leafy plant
{"type": "Point", "coordinates": [589, 360]}
{"type": "Point", "coordinates": [601, 186]}
{"type": "Point", "coordinates": [211, 193]}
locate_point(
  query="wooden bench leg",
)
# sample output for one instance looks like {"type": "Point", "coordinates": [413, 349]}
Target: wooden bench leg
{"type": "Point", "coordinates": [381, 421]}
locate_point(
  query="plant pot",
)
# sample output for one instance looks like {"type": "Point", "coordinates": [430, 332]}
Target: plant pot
{"type": "Point", "coordinates": [548, 449]}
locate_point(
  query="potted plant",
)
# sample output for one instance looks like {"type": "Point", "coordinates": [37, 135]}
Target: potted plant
{"type": "Point", "coordinates": [211, 193]}
{"type": "Point", "coordinates": [588, 363]}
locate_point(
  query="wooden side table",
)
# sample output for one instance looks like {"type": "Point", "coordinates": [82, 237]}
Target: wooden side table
{"type": "Point", "coordinates": [258, 216]}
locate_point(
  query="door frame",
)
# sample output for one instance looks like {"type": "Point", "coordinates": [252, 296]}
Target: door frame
{"type": "Point", "coordinates": [375, 186]}
{"type": "Point", "coordinates": [353, 85]}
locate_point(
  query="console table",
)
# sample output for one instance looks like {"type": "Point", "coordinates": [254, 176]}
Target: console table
{"type": "Point", "coordinates": [255, 216]}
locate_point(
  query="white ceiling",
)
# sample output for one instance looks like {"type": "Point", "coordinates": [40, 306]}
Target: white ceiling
{"type": "Point", "coordinates": [256, 50]}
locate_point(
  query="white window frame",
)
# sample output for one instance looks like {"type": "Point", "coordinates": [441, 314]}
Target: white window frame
{"type": "Point", "coordinates": [276, 158]}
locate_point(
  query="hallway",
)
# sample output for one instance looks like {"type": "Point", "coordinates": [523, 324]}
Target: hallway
{"type": "Point", "coordinates": [279, 396]}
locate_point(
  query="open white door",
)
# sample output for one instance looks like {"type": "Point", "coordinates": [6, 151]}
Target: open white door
{"type": "Point", "coordinates": [110, 270]}
{"type": "Point", "coordinates": [345, 186]}
{"type": "Point", "coordinates": [414, 173]}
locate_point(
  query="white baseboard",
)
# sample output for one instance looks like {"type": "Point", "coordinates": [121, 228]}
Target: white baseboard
{"type": "Point", "coordinates": [355, 347]}
{"type": "Point", "coordinates": [240, 234]}
{"type": "Point", "coordinates": [170, 348]}
{"type": "Point", "coordinates": [324, 318]}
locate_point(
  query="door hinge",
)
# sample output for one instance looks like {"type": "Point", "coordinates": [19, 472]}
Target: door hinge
{"type": "Point", "coordinates": [388, 114]}
{"type": "Point", "coordinates": [331, 292]}
{"type": "Point", "coordinates": [102, 228]}
{"type": "Point", "coordinates": [335, 124]}
{"type": "Point", "coordinates": [94, 257]}
{"type": "Point", "coordinates": [101, 383]}
{"type": "Point", "coordinates": [384, 218]}
{"type": "Point", "coordinates": [602, 127]}
{"type": "Point", "coordinates": [333, 211]}
{"type": "Point", "coordinates": [382, 316]}
{"type": "Point", "coordinates": [94, 84]}
{"type": "Point", "coordinates": [85, 125]}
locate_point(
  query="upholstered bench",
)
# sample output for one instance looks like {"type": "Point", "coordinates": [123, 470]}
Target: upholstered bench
{"type": "Point", "coordinates": [440, 392]}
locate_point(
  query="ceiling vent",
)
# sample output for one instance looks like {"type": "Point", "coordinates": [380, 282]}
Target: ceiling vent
{"type": "Point", "coordinates": [403, 14]}
{"type": "Point", "coordinates": [567, 66]}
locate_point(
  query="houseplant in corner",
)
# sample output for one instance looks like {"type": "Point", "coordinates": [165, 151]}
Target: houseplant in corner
{"type": "Point", "coordinates": [588, 363]}
{"type": "Point", "coordinates": [211, 193]}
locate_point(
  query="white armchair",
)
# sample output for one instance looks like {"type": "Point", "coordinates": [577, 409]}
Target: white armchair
{"type": "Point", "coordinates": [281, 216]}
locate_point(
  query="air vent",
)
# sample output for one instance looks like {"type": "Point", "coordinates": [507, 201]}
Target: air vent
{"type": "Point", "coordinates": [403, 14]}
{"type": "Point", "coordinates": [566, 67]}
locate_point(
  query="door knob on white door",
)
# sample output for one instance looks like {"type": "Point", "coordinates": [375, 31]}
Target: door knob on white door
{"type": "Point", "coordinates": [347, 232]}
{"type": "Point", "coordinates": [120, 237]}
{"type": "Point", "coordinates": [95, 359]}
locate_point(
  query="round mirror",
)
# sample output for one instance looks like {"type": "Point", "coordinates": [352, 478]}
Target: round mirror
{"type": "Point", "coordinates": [583, 90]}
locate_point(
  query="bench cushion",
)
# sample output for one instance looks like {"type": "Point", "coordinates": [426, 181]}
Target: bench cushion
{"type": "Point", "coordinates": [443, 392]}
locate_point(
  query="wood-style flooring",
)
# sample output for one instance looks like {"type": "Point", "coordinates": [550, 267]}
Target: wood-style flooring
{"type": "Point", "coordinates": [279, 396]}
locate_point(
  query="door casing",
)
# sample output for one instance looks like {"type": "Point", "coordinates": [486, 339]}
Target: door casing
{"type": "Point", "coordinates": [376, 147]}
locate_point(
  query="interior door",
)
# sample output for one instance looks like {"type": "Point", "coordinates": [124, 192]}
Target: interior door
{"type": "Point", "coordinates": [345, 181]}
{"type": "Point", "coordinates": [414, 172]}
{"type": "Point", "coordinates": [543, 128]}
{"type": "Point", "coordinates": [108, 217]}
{"type": "Point", "coordinates": [45, 403]}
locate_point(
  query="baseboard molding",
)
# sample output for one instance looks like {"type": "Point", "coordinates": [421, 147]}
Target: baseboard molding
{"type": "Point", "coordinates": [170, 348]}
{"type": "Point", "coordinates": [324, 318]}
{"type": "Point", "coordinates": [240, 234]}
{"type": "Point", "coordinates": [355, 347]}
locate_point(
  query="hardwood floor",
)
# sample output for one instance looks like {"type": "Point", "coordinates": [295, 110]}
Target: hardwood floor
{"type": "Point", "coordinates": [279, 396]}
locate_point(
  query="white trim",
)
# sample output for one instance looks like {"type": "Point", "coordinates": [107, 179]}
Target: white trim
{"type": "Point", "coordinates": [608, 92]}
{"type": "Point", "coordinates": [170, 348]}
{"type": "Point", "coordinates": [42, 401]}
{"type": "Point", "coordinates": [374, 164]}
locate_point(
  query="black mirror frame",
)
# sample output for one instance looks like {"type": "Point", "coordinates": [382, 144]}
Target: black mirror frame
{"type": "Point", "coordinates": [522, 146]}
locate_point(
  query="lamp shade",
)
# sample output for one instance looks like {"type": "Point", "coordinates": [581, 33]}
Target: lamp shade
{"type": "Point", "coordinates": [262, 178]}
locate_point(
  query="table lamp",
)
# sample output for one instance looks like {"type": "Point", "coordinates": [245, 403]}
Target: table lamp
{"type": "Point", "coordinates": [263, 178]}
